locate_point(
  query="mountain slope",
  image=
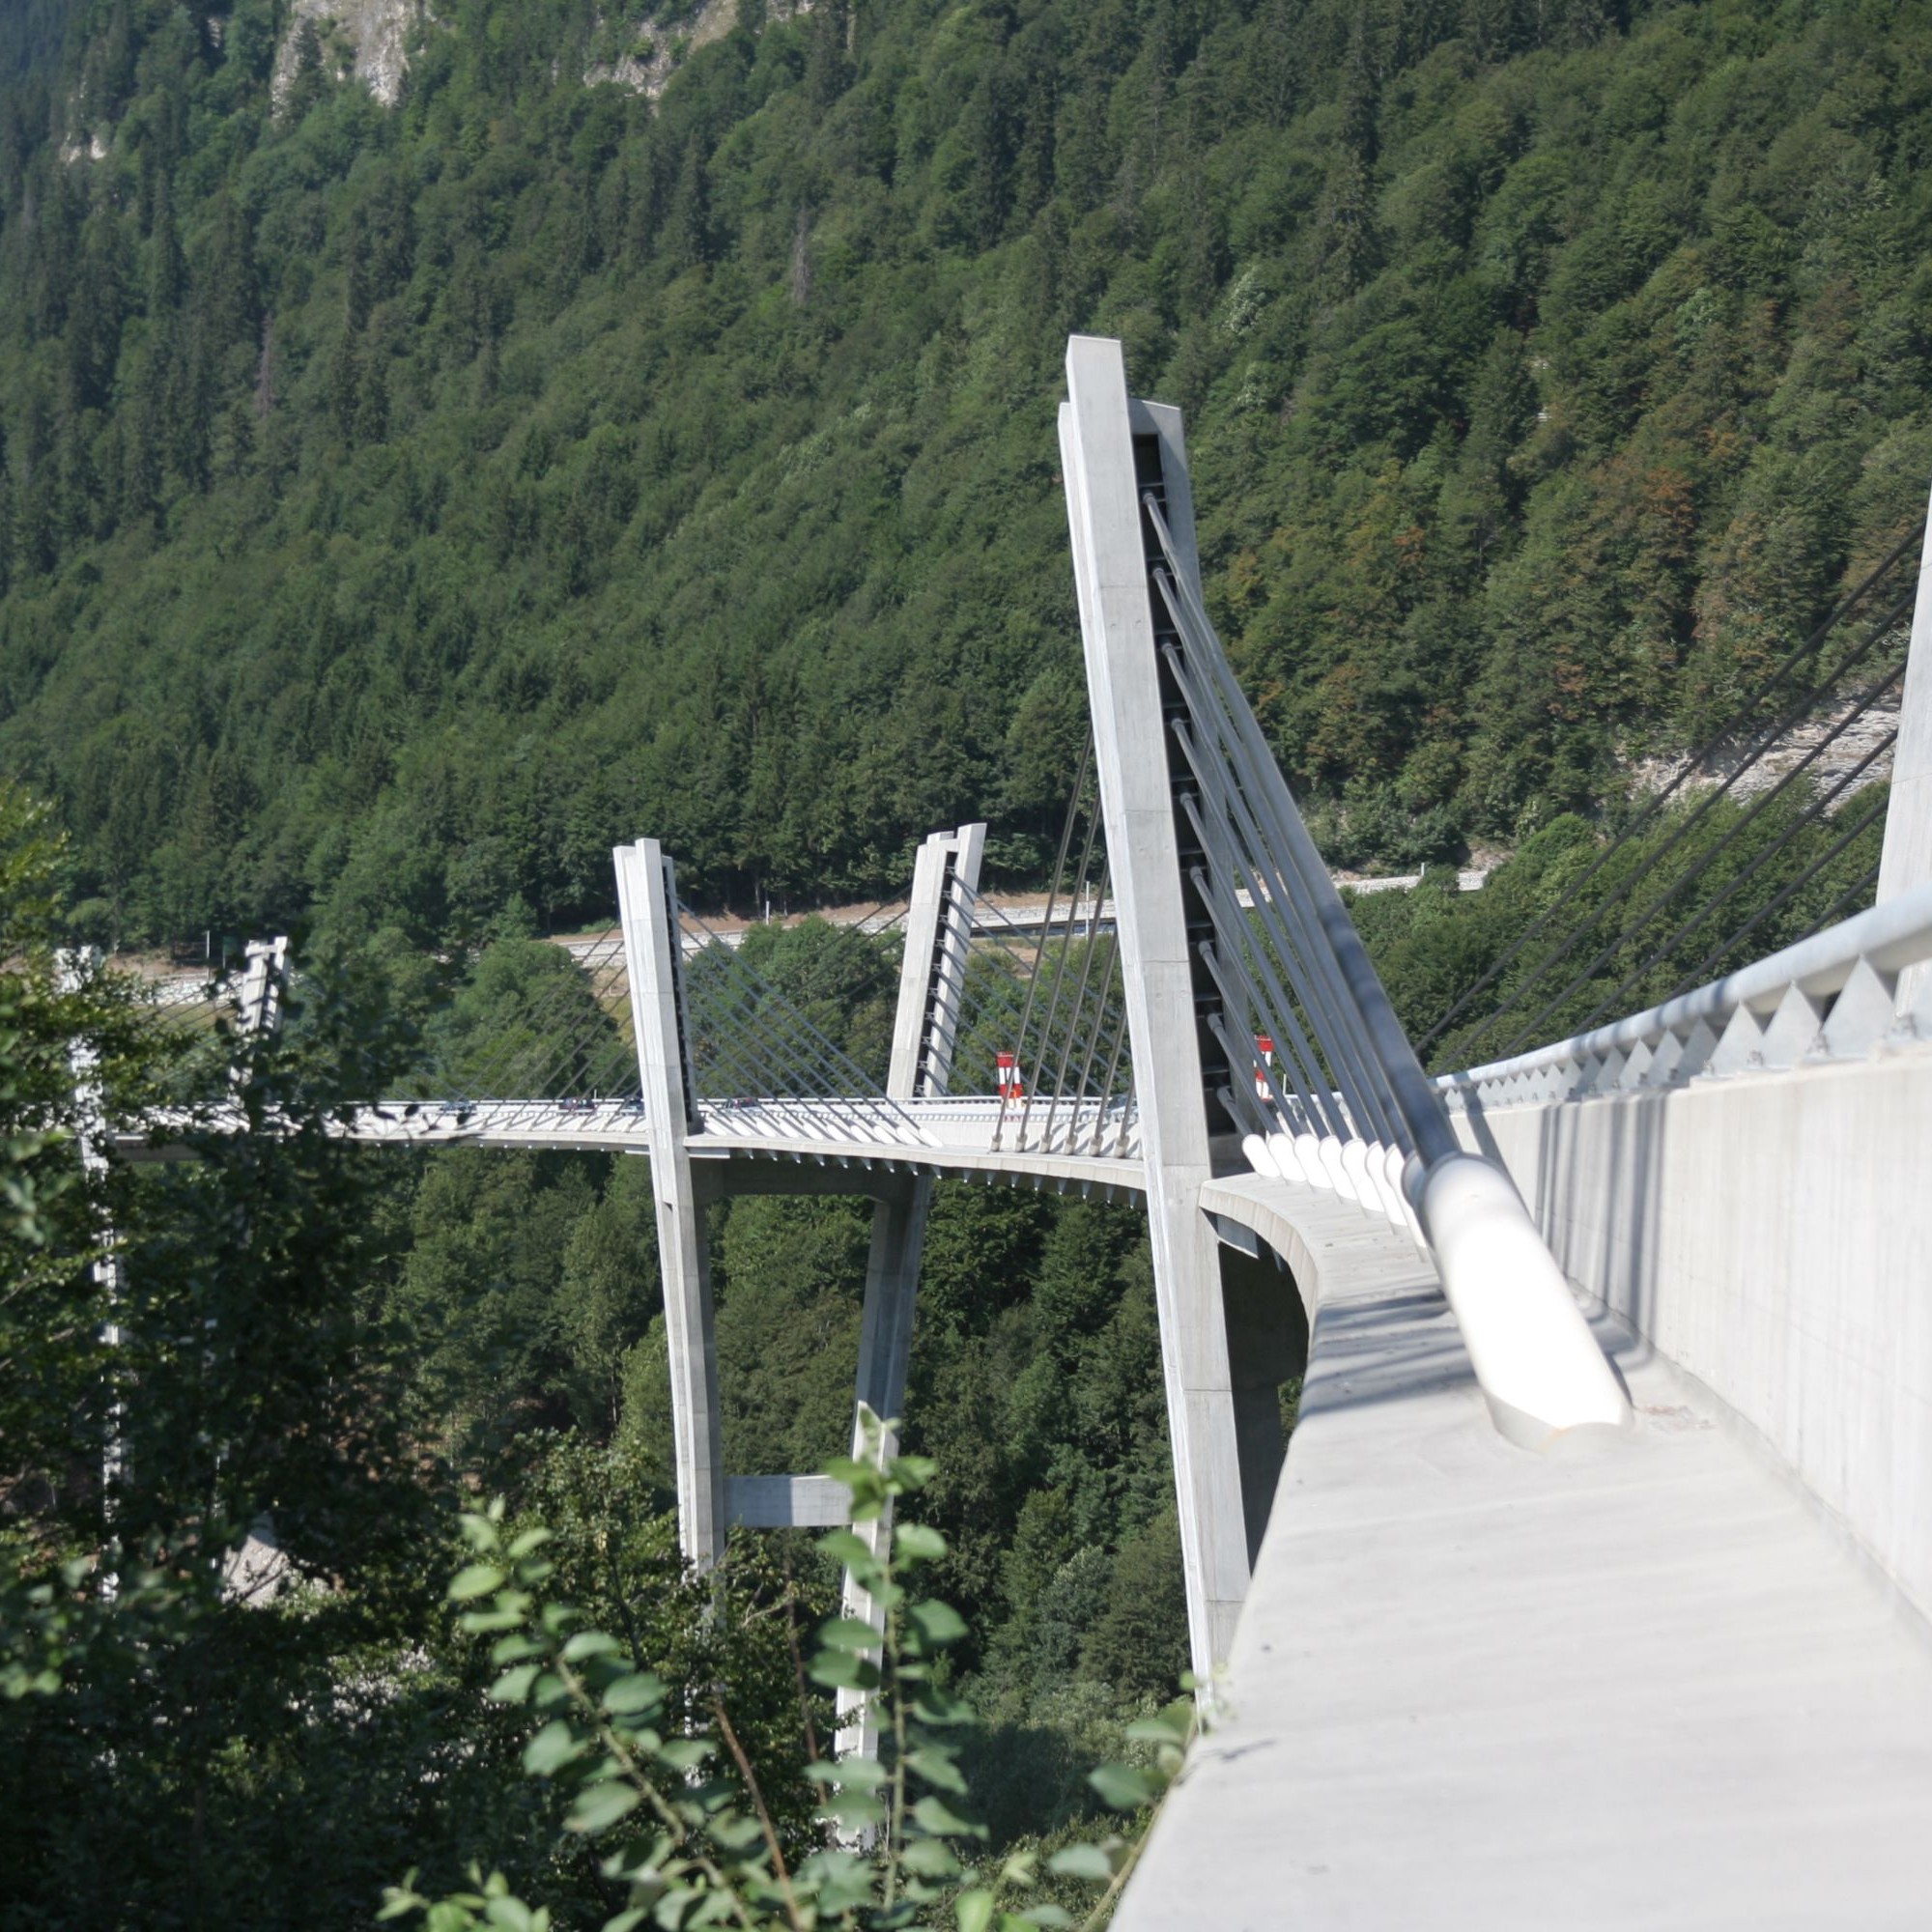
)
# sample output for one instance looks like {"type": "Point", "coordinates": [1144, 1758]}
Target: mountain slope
{"type": "Point", "coordinates": [404, 505]}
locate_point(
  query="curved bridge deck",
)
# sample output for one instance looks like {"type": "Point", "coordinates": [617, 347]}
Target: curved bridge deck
{"type": "Point", "coordinates": [1632, 1681]}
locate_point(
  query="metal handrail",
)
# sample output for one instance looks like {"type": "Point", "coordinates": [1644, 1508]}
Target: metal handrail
{"type": "Point", "coordinates": [1889, 938]}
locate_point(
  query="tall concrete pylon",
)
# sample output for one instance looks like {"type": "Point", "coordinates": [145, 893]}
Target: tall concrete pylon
{"type": "Point", "coordinates": [938, 931]}
{"type": "Point", "coordinates": [647, 905]}
{"type": "Point", "coordinates": [1906, 861]}
{"type": "Point", "coordinates": [932, 975]}
{"type": "Point", "coordinates": [1112, 447]}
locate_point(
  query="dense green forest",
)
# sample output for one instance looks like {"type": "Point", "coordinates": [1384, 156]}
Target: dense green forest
{"type": "Point", "coordinates": [401, 504]}
{"type": "Point", "coordinates": [404, 503]}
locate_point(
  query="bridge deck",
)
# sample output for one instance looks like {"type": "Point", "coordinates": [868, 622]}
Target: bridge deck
{"type": "Point", "coordinates": [1637, 1681]}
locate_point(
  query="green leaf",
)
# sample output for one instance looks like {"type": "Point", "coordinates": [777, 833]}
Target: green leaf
{"type": "Point", "coordinates": [846, 1549]}
{"type": "Point", "coordinates": [599, 1807]}
{"type": "Point", "coordinates": [685, 1753]}
{"type": "Point", "coordinates": [935, 1816]}
{"type": "Point", "coordinates": [1122, 1787]}
{"type": "Point", "coordinates": [934, 1764]}
{"type": "Point", "coordinates": [589, 1643]}
{"type": "Point", "coordinates": [1156, 1731]}
{"type": "Point", "coordinates": [1087, 1861]}
{"type": "Point", "coordinates": [939, 1624]}
{"type": "Point", "coordinates": [530, 1540]}
{"type": "Point", "coordinates": [839, 1670]}
{"type": "Point", "coordinates": [510, 1912]}
{"type": "Point", "coordinates": [514, 1686]}
{"type": "Point", "coordinates": [930, 1858]}
{"type": "Point", "coordinates": [625, 1920]}
{"type": "Point", "coordinates": [552, 1747]}
{"type": "Point", "coordinates": [640, 1690]}
{"type": "Point", "coordinates": [848, 1634]}
{"type": "Point", "coordinates": [855, 1810]}
{"type": "Point", "coordinates": [1044, 1915]}
{"type": "Point", "coordinates": [941, 1707]}
{"type": "Point", "coordinates": [974, 1910]}
{"type": "Point", "coordinates": [917, 1542]}
{"type": "Point", "coordinates": [859, 1773]}
{"type": "Point", "coordinates": [474, 1579]}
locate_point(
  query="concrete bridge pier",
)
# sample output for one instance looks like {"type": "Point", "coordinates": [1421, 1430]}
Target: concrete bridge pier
{"type": "Point", "coordinates": [647, 905]}
{"type": "Point", "coordinates": [932, 974]}
{"type": "Point", "coordinates": [938, 933]}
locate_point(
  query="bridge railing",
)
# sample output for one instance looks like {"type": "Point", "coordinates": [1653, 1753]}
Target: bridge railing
{"type": "Point", "coordinates": [1829, 997]}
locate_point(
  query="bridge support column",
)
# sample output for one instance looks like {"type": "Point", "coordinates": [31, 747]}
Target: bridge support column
{"type": "Point", "coordinates": [1907, 858]}
{"type": "Point", "coordinates": [932, 972]}
{"type": "Point", "coordinates": [1111, 448]}
{"type": "Point", "coordinates": [647, 905]}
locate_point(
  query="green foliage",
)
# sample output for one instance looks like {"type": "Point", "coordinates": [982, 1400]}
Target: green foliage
{"type": "Point", "coordinates": [399, 507]}
{"type": "Point", "coordinates": [676, 1811]}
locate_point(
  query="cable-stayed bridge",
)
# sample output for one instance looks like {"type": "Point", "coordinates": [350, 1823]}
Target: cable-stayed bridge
{"type": "Point", "coordinates": [1595, 1587]}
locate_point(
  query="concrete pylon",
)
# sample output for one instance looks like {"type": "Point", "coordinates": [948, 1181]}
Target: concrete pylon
{"type": "Point", "coordinates": [647, 906]}
{"type": "Point", "coordinates": [1111, 448]}
{"type": "Point", "coordinates": [932, 974]}
{"type": "Point", "coordinates": [1906, 861]}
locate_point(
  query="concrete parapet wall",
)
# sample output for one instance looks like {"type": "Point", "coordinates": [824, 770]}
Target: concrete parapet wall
{"type": "Point", "coordinates": [1773, 1235]}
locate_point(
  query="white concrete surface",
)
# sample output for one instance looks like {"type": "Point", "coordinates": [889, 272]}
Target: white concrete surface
{"type": "Point", "coordinates": [1772, 1233]}
{"type": "Point", "coordinates": [1098, 425]}
{"type": "Point", "coordinates": [1633, 1680]}
{"type": "Point", "coordinates": [1906, 860]}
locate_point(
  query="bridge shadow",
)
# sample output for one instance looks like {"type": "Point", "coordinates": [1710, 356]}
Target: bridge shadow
{"type": "Point", "coordinates": [1391, 1349]}
{"type": "Point", "coordinates": [1589, 1170]}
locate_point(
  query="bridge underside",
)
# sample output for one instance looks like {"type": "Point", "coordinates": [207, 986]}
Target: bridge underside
{"type": "Point", "coordinates": [1639, 1679]}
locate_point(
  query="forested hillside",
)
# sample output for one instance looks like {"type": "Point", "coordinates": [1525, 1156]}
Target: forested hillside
{"type": "Point", "coordinates": [404, 503]}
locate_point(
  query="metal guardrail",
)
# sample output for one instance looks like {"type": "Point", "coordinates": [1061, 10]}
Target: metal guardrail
{"type": "Point", "coordinates": [1829, 997]}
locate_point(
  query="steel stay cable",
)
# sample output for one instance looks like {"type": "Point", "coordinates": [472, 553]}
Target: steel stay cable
{"type": "Point", "coordinates": [1019, 962]}
{"type": "Point", "coordinates": [836, 1065]}
{"type": "Point", "coordinates": [1305, 1067]}
{"type": "Point", "coordinates": [1080, 995]}
{"type": "Point", "coordinates": [1237, 942]}
{"type": "Point", "coordinates": [764, 1085]}
{"type": "Point", "coordinates": [1058, 870]}
{"type": "Point", "coordinates": [1417, 1105]}
{"type": "Point", "coordinates": [1752, 813]}
{"type": "Point", "coordinates": [1242, 1108]}
{"type": "Point", "coordinates": [1306, 955]}
{"type": "Point", "coordinates": [1106, 981]}
{"type": "Point", "coordinates": [1318, 998]}
{"type": "Point", "coordinates": [1872, 813]}
{"type": "Point", "coordinates": [1855, 890]}
{"type": "Point", "coordinates": [530, 1059]}
{"type": "Point", "coordinates": [747, 1028]}
{"type": "Point", "coordinates": [1768, 737]}
{"type": "Point", "coordinates": [1210, 957]}
{"type": "Point", "coordinates": [529, 1039]}
{"type": "Point", "coordinates": [1693, 763]}
{"type": "Point", "coordinates": [848, 1092]}
{"type": "Point", "coordinates": [1060, 964]}
{"type": "Point", "coordinates": [1815, 811]}
{"type": "Point", "coordinates": [1344, 1077]}
{"type": "Point", "coordinates": [1309, 951]}
{"type": "Point", "coordinates": [1113, 1019]}
{"type": "Point", "coordinates": [1112, 1073]}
